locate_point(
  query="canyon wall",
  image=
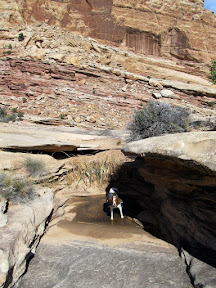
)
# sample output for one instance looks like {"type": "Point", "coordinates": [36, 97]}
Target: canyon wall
{"type": "Point", "coordinates": [184, 30]}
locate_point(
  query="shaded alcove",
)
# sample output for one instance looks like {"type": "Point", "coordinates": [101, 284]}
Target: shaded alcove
{"type": "Point", "coordinates": [184, 217]}
{"type": "Point", "coordinates": [174, 42]}
{"type": "Point", "coordinates": [171, 43]}
{"type": "Point", "coordinates": [143, 42]}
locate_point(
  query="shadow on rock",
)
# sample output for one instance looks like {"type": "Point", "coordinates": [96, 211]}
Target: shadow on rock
{"type": "Point", "coordinates": [178, 213]}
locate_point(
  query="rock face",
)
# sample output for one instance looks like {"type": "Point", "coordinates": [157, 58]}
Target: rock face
{"type": "Point", "coordinates": [170, 188]}
{"type": "Point", "coordinates": [3, 208]}
{"type": "Point", "coordinates": [168, 28]}
{"type": "Point", "coordinates": [182, 30]}
{"type": "Point", "coordinates": [19, 239]}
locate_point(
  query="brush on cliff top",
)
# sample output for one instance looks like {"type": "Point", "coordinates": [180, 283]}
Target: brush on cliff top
{"type": "Point", "coordinates": [157, 119]}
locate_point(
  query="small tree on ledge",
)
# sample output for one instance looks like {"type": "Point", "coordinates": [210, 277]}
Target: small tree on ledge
{"type": "Point", "coordinates": [213, 71]}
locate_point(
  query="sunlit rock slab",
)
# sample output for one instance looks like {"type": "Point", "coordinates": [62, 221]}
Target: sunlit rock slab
{"type": "Point", "coordinates": [83, 264]}
{"type": "Point", "coordinates": [54, 139]}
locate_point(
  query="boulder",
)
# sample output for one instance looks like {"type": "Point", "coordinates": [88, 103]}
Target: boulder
{"type": "Point", "coordinates": [167, 93]}
{"type": "Point", "coordinates": [38, 53]}
{"type": "Point", "coordinates": [156, 95]}
{"type": "Point", "coordinates": [73, 60]}
{"type": "Point", "coordinates": [199, 147]}
{"type": "Point", "coordinates": [104, 60]}
{"type": "Point", "coordinates": [58, 57]}
{"type": "Point", "coordinates": [201, 122]}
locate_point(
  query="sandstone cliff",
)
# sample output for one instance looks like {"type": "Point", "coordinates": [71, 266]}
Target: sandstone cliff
{"type": "Point", "coordinates": [168, 28]}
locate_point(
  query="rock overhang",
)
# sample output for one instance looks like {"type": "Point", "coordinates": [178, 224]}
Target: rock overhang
{"type": "Point", "coordinates": [27, 138]}
{"type": "Point", "coordinates": [199, 147]}
{"type": "Point", "coordinates": [170, 188]}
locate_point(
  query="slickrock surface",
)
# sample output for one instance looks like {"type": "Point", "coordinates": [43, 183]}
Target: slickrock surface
{"type": "Point", "coordinates": [83, 264]}
{"type": "Point", "coordinates": [41, 138]}
{"type": "Point", "coordinates": [89, 250]}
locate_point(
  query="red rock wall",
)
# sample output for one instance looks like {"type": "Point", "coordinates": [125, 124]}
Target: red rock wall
{"type": "Point", "coordinates": [168, 28]}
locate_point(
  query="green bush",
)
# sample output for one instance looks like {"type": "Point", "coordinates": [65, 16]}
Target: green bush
{"type": "Point", "coordinates": [16, 191]}
{"type": "Point", "coordinates": [34, 167]}
{"type": "Point", "coordinates": [21, 37]}
{"type": "Point", "coordinates": [157, 119]}
{"type": "Point", "coordinates": [211, 103]}
{"type": "Point", "coordinates": [3, 112]}
{"type": "Point", "coordinates": [14, 110]}
{"type": "Point", "coordinates": [4, 117]}
{"type": "Point", "coordinates": [62, 116]}
{"type": "Point", "coordinates": [20, 114]}
{"type": "Point", "coordinates": [11, 117]}
{"type": "Point", "coordinates": [213, 71]}
{"type": "Point", "coordinates": [9, 52]}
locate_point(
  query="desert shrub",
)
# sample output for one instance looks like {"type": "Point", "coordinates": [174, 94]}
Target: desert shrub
{"type": "Point", "coordinates": [9, 52]}
{"type": "Point", "coordinates": [11, 117]}
{"type": "Point", "coordinates": [5, 117]}
{"type": "Point", "coordinates": [213, 71]}
{"type": "Point", "coordinates": [14, 110]}
{"type": "Point", "coordinates": [21, 37]}
{"type": "Point", "coordinates": [211, 103]}
{"type": "Point", "coordinates": [157, 119]}
{"type": "Point", "coordinates": [3, 112]}
{"type": "Point", "coordinates": [20, 114]}
{"type": "Point", "coordinates": [62, 116]}
{"type": "Point", "coordinates": [34, 167]}
{"type": "Point", "coordinates": [16, 191]}
{"type": "Point", "coordinates": [24, 100]}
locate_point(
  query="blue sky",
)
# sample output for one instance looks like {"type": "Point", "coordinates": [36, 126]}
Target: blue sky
{"type": "Point", "coordinates": [210, 4]}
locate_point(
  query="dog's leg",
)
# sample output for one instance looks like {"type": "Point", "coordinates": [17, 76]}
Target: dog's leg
{"type": "Point", "coordinates": [120, 209]}
{"type": "Point", "coordinates": [111, 211]}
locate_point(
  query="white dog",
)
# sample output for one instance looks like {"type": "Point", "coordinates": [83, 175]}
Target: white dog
{"type": "Point", "coordinates": [114, 202]}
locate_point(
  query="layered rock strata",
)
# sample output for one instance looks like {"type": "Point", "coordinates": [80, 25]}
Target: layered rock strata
{"type": "Point", "coordinates": [170, 188]}
{"type": "Point", "coordinates": [103, 97]}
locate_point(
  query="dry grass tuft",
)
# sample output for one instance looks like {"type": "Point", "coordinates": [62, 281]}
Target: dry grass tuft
{"type": "Point", "coordinates": [93, 172]}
